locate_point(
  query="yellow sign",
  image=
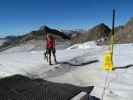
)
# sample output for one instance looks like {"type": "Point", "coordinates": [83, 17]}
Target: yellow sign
{"type": "Point", "coordinates": [107, 61]}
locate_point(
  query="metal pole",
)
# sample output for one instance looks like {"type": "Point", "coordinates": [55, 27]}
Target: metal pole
{"type": "Point", "coordinates": [113, 33]}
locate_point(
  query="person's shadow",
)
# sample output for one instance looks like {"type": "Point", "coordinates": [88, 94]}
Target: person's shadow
{"type": "Point", "coordinates": [64, 67]}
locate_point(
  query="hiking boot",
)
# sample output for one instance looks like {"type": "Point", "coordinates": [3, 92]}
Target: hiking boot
{"type": "Point", "coordinates": [50, 64]}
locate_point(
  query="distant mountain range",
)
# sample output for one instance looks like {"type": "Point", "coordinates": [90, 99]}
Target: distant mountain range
{"type": "Point", "coordinates": [124, 34]}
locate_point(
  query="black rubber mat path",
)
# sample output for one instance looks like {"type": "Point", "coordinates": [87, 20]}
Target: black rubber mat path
{"type": "Point", "coordinates": [20, 87]}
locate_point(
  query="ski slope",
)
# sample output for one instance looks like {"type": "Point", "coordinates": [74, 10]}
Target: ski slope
{"type": "Point", "coordinates": [119, 83]}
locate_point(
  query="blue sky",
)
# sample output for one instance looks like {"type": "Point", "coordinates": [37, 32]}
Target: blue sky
{"type": "Point", "coordinates": [22, 16]}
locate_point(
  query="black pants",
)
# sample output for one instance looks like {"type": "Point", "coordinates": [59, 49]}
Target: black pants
{"type": "Point", "coordinates": [51, 51]}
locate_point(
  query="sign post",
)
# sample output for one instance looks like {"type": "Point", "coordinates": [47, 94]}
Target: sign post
{"type": "Point", "coordinates": [108, 56]}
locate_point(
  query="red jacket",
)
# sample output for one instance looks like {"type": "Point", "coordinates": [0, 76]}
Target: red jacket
{"type": "Point", "coordinates": [50, 43]}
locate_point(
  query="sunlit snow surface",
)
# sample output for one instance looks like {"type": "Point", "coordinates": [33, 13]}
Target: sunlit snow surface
{"type": "Point", "coordinates": [27, 61]}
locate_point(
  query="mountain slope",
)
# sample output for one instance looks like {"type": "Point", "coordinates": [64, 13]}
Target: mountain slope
{"type": "Point", "coordinates": [97, 32]}
{"type": "Point", "coordinates": [125, 34]}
